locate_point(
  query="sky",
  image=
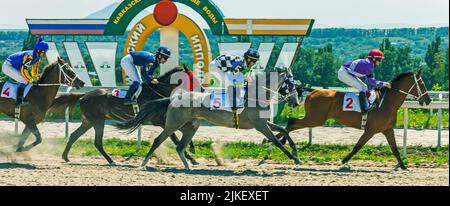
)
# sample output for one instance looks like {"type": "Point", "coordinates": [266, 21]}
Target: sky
{"type": "Point", "coordinates": [328, 13]}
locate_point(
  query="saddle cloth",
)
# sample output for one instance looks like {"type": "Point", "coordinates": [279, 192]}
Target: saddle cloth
{"type": "Point", "coordinates": [220, 100]}
{"type": "Point", "coordinates": [119, 93]}
{"type": "Point", "coordinates": [351, 101]}
{"type": "Point", "coordinates": [9, 90]}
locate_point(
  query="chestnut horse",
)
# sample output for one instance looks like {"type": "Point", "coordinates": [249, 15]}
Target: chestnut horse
{"type": "Point", "coordinates": [323, 104]}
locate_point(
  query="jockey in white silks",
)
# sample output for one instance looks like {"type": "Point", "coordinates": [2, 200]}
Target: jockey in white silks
{"type": "Point", "coordinates": [237, 72]}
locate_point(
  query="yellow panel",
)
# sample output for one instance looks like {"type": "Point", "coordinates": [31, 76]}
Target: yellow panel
{"type": "Point", "coordinates": [235, 21]}
{"type": "Point", "coordinates": [237, 32]}
{"type": "Point", "coordinates": [279, 32]}
{"type": "Point", "coordinates": [270, 21]}
{"type": "Point", "coordinates": [282, 21]}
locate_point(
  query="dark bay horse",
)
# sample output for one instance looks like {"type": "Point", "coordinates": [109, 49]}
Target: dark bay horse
{"type": "Point", "coordinates": [321, 105]}
{"type": "Point", "coordinates": [98, 105]}
{"type": "Point", "coordinates": [187, 118]}
{"type": "Point", "coordinates": [40, 98]}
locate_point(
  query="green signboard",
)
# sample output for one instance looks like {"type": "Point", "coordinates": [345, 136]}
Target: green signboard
{"type": "Point", "coordinates": [128, 9]}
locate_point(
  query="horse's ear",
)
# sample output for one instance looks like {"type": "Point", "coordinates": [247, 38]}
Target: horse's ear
{"type": "Point", "coordinates": [419, 72]}
{"type": "Point", "coordinates": [60, 60]}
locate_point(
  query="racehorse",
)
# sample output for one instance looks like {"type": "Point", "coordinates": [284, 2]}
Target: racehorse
{"type": "Point", "coordinates": [40, 98]}
{"type": "Point", "coordinates": [100, 104]}
{"type": "Point", "coordinates": [322, 104]}
{"type": "Point", "coordinates": [187, 119]}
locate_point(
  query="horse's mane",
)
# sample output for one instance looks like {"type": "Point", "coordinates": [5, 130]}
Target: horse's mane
{"type": "Point", "coordinates": [47, 68]}
{"type": "Point", "coordinates": [169, 73]}
{"type": "Point", "coordinates": [402, 75]}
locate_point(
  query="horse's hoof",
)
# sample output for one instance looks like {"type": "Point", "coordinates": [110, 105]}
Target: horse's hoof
{"type": "Point", "coordinates": [262, 162]}
{"type": "Point", "coordinates": [194, 162]}
{"type": "Point", "coordinates": [298, 162]}
{"type": "Point", "coordinates": [402, 168]}
{"type": "Point", "coordinates": [345, 167]}
{"type": "Point", "coordinates": [192, 150]}
{"type": "Point", "coordinates": [113, 163]}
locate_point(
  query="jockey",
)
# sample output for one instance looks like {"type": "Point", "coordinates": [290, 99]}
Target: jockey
{"type": "Point", "coordinates": [148, 62]}
{"type": "Point", "coordinates": [235, 68]}
{"type": "Point", "coordinates": [351, 72]}
{"type": "Point", "coordinates": [23, 67]}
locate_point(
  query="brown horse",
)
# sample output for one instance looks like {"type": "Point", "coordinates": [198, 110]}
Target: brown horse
{"type": "Point", "coordinates": [98, 105]}
{"type": "Point", "coordinates": [40, 98]}
{"type": "Point", "coordinates": [322, 104]}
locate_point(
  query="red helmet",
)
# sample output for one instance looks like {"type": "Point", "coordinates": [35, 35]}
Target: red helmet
{"type": "Point", "coordinates": [376, 54]}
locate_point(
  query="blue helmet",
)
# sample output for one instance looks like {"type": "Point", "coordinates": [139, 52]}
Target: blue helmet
{"type": "Point", "coordinates": [252, 54]}
{"type": "Point", "coordinates": [165, 51]}
{"type": "Point", "coordinates": [41, 45]}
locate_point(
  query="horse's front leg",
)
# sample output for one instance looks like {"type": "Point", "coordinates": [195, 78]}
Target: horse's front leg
{"type": "Point", "coordinates": [286, 135]}
{"type": "Point", "coordinates": [264, 128]}
{"type": "Point", "coordinates": [23, 138]}
{"type": "Point", "coordinates": [33, 128]}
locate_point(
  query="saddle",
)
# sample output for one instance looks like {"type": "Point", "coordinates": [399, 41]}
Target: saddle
{"type": "Point", "coordinates": [9, 89]}
{"type": "Point", "coordinates": [352, 104]}
{"type": "Point", "coordinates": [220, 100]}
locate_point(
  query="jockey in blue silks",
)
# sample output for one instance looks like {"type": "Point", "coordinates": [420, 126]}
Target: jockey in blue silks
{"type": "Point", "coordinates": [148, 62]}
{"type": "Point", "coordinates": [23, 67]}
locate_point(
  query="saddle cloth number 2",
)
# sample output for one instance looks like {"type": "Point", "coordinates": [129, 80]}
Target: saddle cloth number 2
{"type": "Point", "coordinates": [349, 103]}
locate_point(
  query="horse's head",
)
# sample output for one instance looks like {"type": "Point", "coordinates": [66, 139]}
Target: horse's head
{"type": "Point", "coordinates": [412, 84]}
{"type": "Point", "coordinates": [68, 76]}
{"type": "Point", "coordinates": [61, 72]}
{"type": "Point", "coordinates": [165, 86]}
{"type": "Point", "coordinates": [286, 87]}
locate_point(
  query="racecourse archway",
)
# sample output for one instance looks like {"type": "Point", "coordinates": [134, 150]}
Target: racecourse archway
{"type": "Point", "coordinates": [232, 34]}
{"type": "Point", "coordinates": [129, 9]}
{"type": "Point", "coordinates": [197, 38]}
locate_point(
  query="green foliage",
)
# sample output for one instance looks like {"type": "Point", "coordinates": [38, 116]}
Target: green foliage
{"type": "Point", "coordinates": [419, 155]}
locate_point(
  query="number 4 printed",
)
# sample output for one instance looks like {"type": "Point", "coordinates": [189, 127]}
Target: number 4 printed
{"type": "Point", "coordinates": [6, 92]}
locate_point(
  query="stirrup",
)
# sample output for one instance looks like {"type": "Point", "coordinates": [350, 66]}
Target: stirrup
{"type": "Point", "coordinates": [21, 103]}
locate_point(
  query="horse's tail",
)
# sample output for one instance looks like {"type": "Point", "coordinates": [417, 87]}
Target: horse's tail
{"type": "Point", "coordinates": [150, 108]}
{"type": "Point", "coordinates": [63, 101]}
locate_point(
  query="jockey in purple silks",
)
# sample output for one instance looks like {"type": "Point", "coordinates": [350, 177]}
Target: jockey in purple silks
{"type": "Point", "coordinates": [351, 72]}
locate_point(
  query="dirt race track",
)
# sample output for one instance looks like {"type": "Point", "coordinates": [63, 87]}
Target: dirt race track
{"type": "Point", "coordinates": [39, 168]}
{"type": "Point", "coordinates": [50, 170]}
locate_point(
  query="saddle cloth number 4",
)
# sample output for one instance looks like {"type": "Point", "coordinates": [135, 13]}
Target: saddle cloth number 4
{"type": "Point", "coordinates": [9, 90]}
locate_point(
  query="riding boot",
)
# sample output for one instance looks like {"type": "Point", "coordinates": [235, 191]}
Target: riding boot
{"type": "Point", "coordinates": [20, 100]}
{"type": "Point", "coordinates": [363, 102]}
{"type": "Point", "coordinates": [130, 93]}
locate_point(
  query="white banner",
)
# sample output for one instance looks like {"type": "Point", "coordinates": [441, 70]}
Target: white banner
{"type": "Point", "coordinates": [103, 55]}
{"type": "Point", "coordinates": [52, 53]}
{"type": "Point", "coordinates": [287, 55]}
{"type": "Point", "coordinates": [77, 62]}
{"type": "Point", "coordinates": [169, 37]}
{"type": "Point", "coordinates": [237, 49]}
{"type": "Point", "coordinates": [265, 50]}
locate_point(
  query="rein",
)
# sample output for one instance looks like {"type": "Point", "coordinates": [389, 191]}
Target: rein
{"type": "Point", "coordinates": [419, 95]}
{"type": "Point", "coordinates": [67, 79]}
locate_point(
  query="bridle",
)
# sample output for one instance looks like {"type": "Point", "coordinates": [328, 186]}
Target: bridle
{"type": "Point", "coordinates": [420, 94]}
{"type": "Point", "coordinates": [67, 79]}
{"type": "Point", "coordinates": [285, 97]}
